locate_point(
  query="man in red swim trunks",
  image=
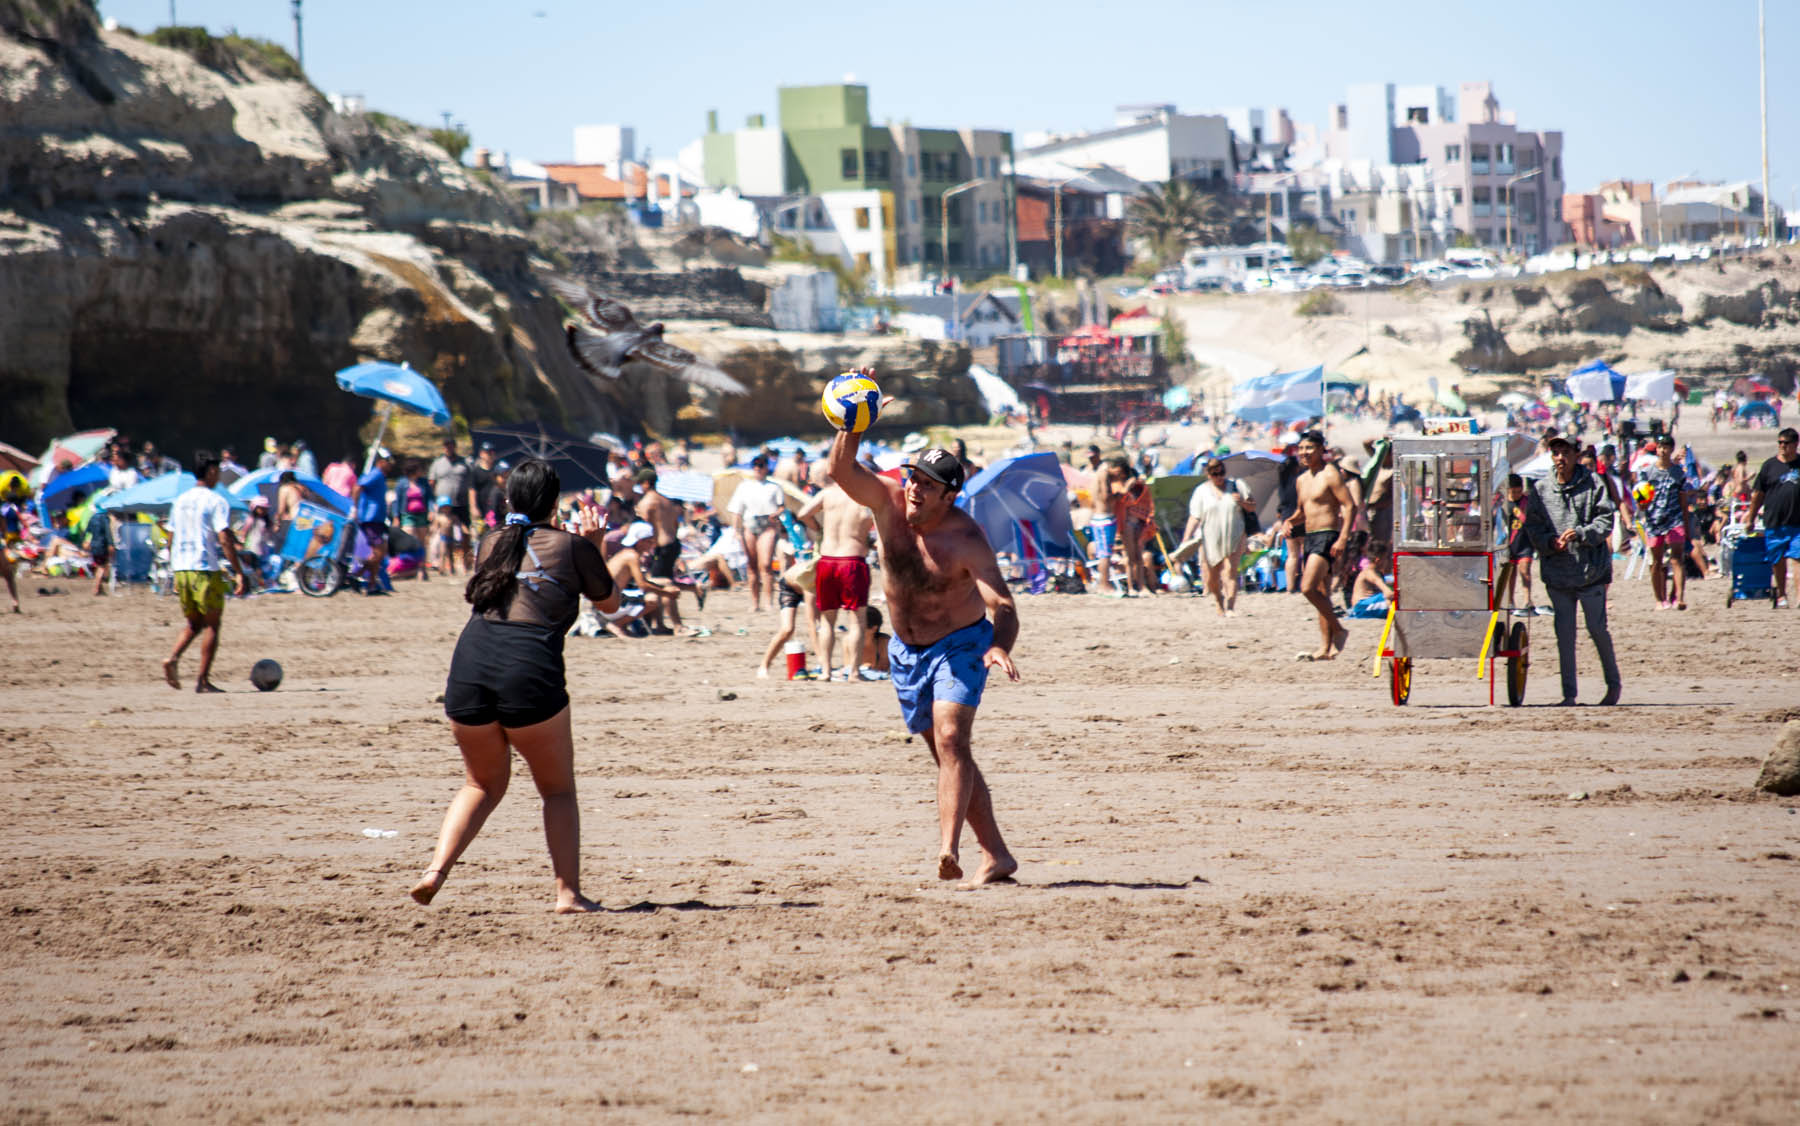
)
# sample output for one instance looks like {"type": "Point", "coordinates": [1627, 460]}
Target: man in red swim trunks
{"type": "Point", "coordinates": [844, 527]}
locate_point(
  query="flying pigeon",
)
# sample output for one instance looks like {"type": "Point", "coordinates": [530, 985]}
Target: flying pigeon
{"type": "Point", "coordinates": [616, 338]}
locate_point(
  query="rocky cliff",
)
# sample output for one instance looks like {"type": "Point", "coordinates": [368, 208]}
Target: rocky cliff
{"type": "Point", "coordinates": [191, 250]}
{"type": "Point", "coordinates": [192, 241]}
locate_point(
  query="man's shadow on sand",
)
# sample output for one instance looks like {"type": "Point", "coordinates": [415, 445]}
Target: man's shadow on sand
{"type": "Point", "coordinates": [648, 906]}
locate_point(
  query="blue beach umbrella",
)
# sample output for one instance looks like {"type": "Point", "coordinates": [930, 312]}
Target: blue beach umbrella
{"type": "Point", "coordinates": [90, 477]}
{"type": "Point", "coordinates": [393, 385]}
{"type": "Point", "coordinates": [156, 496]}
{"type": "Point", "coordinates": [1022, 505]}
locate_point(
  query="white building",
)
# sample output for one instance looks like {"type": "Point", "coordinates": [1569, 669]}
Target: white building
{"type": "Point", "coordinates": [850, 224]}
{"type": "Point", "coordinates": [611, 145]}
{"type": "Point", "coordinates": [1153, 144]}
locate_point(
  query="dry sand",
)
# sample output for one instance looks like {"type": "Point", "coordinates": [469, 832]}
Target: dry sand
{"type": "Point", "coordinates": [1251, 890]}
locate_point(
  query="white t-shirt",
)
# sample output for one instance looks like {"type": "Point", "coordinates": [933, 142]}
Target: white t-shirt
{"type": "Point", "coordinates": [117, 479]}
{"type": "Point", "coordinates": [756, 498]}
{"type": "Point", "coordinates": [194, 526]}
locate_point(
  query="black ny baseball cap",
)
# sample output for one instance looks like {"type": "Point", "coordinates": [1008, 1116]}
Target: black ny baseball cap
{"type": "Point", "coordinates": [941, 466]}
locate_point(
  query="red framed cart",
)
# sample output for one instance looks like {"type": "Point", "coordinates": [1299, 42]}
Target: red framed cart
{"type": "Point", "coordinates": [1447, 586]}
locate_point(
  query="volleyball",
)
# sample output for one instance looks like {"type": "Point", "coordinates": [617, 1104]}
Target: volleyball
{"type": "Point", "coordinates": [266, 675]}
{"type": "Point", "coordinates": [851, 402]}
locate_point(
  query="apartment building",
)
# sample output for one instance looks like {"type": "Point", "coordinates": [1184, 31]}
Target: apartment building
{"type": "Point", "coordinates": [886, 197]}
{"type": "Point", "coordinates": [1488, 179]}
{"type": "Point", "coordinates": [1150, 143]}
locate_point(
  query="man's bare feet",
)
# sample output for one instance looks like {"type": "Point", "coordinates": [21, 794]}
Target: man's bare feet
{"type": "Point", "coordinates": [172, 673]}
{"type": "Point", "coordinates": [993, 871]}
{"type": "Point", "coordinates": [580, 905]}
{"type": "Point", "coordinates": [948, 868]}
{"type": "Point", "coordinates": [206, 687]}
{"type": "Point", "coordinates": [762, 673]}
{"type": "Point", "coordinates": [423, 891]}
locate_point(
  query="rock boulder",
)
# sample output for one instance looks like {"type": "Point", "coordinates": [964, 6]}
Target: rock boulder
{"type": "Point", "coordinates": [1781, 769]}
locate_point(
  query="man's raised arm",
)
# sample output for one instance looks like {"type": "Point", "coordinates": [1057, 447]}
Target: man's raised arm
{"type": "Point", "coordinates": [865, 488]}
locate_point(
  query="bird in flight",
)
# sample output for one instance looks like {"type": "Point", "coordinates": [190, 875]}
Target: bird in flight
{"type": "Point", "coordinates": [616, 339]}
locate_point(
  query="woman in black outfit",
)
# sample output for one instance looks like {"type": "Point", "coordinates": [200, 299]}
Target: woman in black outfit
{"type": "Point", "coordinates": [506, 687]}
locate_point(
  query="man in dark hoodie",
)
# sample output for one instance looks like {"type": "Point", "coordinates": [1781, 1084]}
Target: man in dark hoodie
{"type": "Point", "coordinates": [1568, 520]}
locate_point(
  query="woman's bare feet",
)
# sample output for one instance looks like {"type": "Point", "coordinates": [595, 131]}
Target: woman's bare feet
{"type": "Point", "coordinates": [576, 905]}
{"type": "Point", "coordinates": [948, 868]}
{"type": "Point", "coordinates": [423, 891]}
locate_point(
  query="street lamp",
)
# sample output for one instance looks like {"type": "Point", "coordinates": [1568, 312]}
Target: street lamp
{"type": "Point", "coordinates": [1511, 203]}
{"type": "Point", "coordinates": [1056, 215]}
{"type": "Point", "coordinates": [944, 231]}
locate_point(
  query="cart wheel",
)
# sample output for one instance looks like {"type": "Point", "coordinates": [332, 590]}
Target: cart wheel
{"type": "Point", "coordinates": [1400, 679]}
{"type": "Point", "coordinates": [1516, 667]}
{"type": "Point", "coordinates": [319, 576]}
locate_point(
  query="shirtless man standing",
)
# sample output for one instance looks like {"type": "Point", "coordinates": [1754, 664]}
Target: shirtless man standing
{"type": "Point", "coordinates": [942, 583]}
{"type": "Point", "coordinates": [843, 573]}
{"type": "Point", "coordinates": [1103, 526]}
{"type": "Point", "coordinates": [664, 516]}
{"type": "Point", "coordinates": [1324, 517]}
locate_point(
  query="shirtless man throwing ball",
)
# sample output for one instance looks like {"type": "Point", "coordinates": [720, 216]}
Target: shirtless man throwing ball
{"type": "Point", "coordinates": [942, 583]}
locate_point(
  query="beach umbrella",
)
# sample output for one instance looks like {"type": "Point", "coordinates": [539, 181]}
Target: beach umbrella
{"type": "Point", "coordinates": [1260, 472]}
{"type": "Point", "coordinates": [55, 495]}
{"type": "Point", "coordinates": [156, 496]}
{"type": "Point", "coordinates": [1022, 505]}
{"type": "Point", "coordinates": [15, 460]}
{"type": "Point", "coordinates": [578, 464]}
{"type": "Point", "coordinates": [267, 483]}
{"type": "Point", "coordinates": [726, 481]}
{"type": "Point", "coordinates": [76, 449]}
{"type": "Point", "coordinates": [393, 385]}
{"type": "Point", "coordinates": [1754, 408]}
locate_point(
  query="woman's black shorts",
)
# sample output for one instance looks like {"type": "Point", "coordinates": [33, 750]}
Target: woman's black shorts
{"type": "Point", "coordinates": [505, 673]}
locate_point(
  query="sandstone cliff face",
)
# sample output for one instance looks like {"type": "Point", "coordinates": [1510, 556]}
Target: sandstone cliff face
{"type": "Point", "coordinates": [787, 371]}
{"type": "Point", "coordinates": [191, 254]}
{"type": "Point", "coordinates": [1704, 320]}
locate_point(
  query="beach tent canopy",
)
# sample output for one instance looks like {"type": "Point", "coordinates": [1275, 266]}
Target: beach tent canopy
{"type": "Point", "coordinates": [267, 483]}
{"type": "Point", "coordinates": [1652, 386]}
{"type": "Point", "coordinates": [1753, 408]}
{"type": "Point", "coordinates": [1022, 505]}
{"type": "Point", "coordinates": [1596, 382]}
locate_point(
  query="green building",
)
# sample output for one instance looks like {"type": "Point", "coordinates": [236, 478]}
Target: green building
{"type": "Point", "coordinates": [873, 193]}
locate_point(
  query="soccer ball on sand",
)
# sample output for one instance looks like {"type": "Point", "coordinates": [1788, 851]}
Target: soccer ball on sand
{"type": "Point", "coordinates": [851, 402]}
{"type": "Point", "coordinates": [266, 675]}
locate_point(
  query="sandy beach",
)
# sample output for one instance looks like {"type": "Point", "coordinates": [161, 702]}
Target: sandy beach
{"type": "Point", "coordinates": [1251, 889]}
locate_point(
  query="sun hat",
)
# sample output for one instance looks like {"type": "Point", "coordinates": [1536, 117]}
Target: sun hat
{"type": "Point", "coordinates": [637, 530]}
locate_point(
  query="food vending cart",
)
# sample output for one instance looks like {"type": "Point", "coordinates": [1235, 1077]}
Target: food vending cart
{"type": "Point", "coordinates": [1447, 584]}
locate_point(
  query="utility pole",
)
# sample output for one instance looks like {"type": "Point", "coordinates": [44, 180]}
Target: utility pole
{"type": "Point", "coordinates": [171, 13]}
{"type": "Point", "coordinates": [1762, 59]}
{"type": "Point", "coordinates": [299, 41]}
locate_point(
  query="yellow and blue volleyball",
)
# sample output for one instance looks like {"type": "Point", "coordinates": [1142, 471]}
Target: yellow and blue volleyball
{"type": "Point", "coordinates": [851, 402]}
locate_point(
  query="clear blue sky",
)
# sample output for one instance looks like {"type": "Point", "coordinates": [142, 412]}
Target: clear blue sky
{"type": "Point", "coordinates": [1654, 89]}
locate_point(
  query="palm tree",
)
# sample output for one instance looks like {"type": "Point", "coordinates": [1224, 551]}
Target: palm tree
{"type": "Point", "coordinates": [1174, 216]}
